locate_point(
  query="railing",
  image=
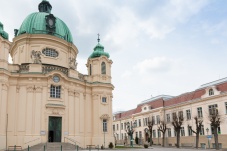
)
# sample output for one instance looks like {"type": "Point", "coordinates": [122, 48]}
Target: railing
{"type": "Point", "coordinates": [72, 140]}
{"type": "Point", "coordinates": [49, 68]}
{"type": "Point", "coordinates": [27, 143]}
{"type": "Point", "coordinates": [24, 68]}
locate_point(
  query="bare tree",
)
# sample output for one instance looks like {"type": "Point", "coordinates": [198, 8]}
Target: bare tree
{"type": "Point", "coordinates": [177, 123]}
{"type": "Point", "coordinates": [215, 120]}
{"type": "Point", "coordinates": [162, 128]}
{"type": "Point", "coordinates": [198, 123]}
{"type": "Point", "coordinates": [150, 127]}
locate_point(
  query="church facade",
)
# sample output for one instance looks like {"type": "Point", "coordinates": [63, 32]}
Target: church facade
{"type": "Point", "coordinates": [43, 98]}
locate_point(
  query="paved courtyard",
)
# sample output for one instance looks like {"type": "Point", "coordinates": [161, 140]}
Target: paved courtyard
{"type": "Point", "coordinates": [161, 149]}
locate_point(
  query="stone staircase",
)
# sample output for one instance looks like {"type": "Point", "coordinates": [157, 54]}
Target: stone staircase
{"type": "Point", "coordinates": [53, 147]}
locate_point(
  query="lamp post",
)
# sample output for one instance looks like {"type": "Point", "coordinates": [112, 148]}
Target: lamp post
{"type": "Point", "coordinates": [207, 129]}
{"type": "Point", "coordinates": [130, 131]}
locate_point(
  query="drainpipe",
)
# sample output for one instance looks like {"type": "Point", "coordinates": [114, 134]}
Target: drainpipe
{"type": "Point", "coordinates": [6, 129]}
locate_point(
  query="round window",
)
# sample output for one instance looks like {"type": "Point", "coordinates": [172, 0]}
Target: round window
{"type": "Point", "coordinates": [56, 79]}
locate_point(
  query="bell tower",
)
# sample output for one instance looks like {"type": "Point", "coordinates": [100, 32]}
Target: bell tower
{"type": "Point", "coordinates": [99, 65]}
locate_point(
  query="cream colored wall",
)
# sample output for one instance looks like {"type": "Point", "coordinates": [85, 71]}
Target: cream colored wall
{"type": "Point", "coordinates": [22, 48]}
{"type": "Point", "coordinates": [204, 102]}
{"type": "Point", "coordinates": [96, 69]}
{"type": "Point", "coordinates": [26, 97]}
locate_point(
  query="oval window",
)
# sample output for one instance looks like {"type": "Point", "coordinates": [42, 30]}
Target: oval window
{"type": "Point", "coordinates": [50, 52]}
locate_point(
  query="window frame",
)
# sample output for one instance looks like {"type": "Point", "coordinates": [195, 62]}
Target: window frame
{"type": "Point", "coordinates": [104, 122]}
{"type": "Point", "coordinates": [55, 91]}
{"type": "Point", "coordinates": [103, 68]}
{"type": "Point", "coordinates": [200, 112]}
{"type": "Point", "coordinates": [188, 114]}
{"type": "Point", "coordinates": [211, 92]}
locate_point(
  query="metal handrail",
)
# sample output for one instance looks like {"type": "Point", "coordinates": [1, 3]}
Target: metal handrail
{"type": "Point", "coordinates": [72, 140]}
{"type": "Point", "coordinates": [31, 141]}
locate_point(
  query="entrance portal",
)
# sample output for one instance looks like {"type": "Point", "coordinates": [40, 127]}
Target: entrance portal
{"type": "Point", "coordinates": [54, 133]}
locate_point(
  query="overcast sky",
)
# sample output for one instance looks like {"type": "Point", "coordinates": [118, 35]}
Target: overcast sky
{"type": "Point", "coordinates": [157, 46]}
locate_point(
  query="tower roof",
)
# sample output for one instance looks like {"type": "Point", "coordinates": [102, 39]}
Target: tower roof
{"type": "Point", "coordinates": [99, 51]}
{"type": "Point", "coordinates": [43, 22]}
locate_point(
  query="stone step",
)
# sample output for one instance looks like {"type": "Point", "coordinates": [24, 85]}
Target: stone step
{"type": "Point", "coordinates": [52, 147]}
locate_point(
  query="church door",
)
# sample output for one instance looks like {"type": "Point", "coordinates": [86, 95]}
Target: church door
{"type": "Point", "coordinates": [54, 133]}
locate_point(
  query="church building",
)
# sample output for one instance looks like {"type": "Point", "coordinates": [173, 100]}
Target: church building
{"type": "Point", "coordinates": [43, 97]}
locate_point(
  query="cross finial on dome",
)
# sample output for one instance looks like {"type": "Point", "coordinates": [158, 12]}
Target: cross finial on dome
{"type": "Point", "coordinates": [98, 38]}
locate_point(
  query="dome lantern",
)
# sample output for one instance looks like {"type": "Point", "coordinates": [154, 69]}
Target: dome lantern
{"type": "Point", "coordinates": [45, 6]}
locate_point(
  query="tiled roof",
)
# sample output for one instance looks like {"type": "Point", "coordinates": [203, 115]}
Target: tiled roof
{"type": "Point", "coordinates": [157, 102]}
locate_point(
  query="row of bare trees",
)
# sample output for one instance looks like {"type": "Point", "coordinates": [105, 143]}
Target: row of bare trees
{"type": "Point", "coordinates": [177, 122]}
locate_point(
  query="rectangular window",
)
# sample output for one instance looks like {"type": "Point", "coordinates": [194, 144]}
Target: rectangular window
{"type": "Point", "coordinates": [153, 119]}
{"type": "Point", "coordinates": [139, 122]}
{"type": "Point", "coordinates": [168, 118]}
{"type": "Point", "coordinates": [189, 131]}
{"type": "Point", "coordinates": [145, 121]}
{"type": "Point", "coordinates": [212, 109]}
{"type": "Point", "coordinates": [182, 131]}
{"type": "Point", "coordinates": [180, 114]}
{"type": "Point", "coordinates": [169, 132]}
{"type": "Point", "coordinates": [136, 134]}
{"type": "Point", "coordinates": [122, 126]}
{"type": "Point", "coordinates": [117, 127]}
{"type": "Point", "coordinates": [225, 107]}
{"type": "Point", "coordinates": [125, 125]}
{"type": "Point", "coordinates": [122, 136]}
{"type": "Point", "coordinates": [200, 112]}
{"type": "Point", "coordinates": [159, 133]}
{"type": "Point", "coordinates": [158, 119]}
{"type": "Point", "coordinates": [174, 115]}
{"type": "Point", "coordinates": [154, 133]}
{"type": "Point", "coordinates": [113, 127]}
{"type": "Point", "coordinates": [135, 123]}
{"type": "Point", "coordinates": [104, 125]}
{"type": "Point", "coordinates": [140, 134]}
{"type": "Point", "coordinates": [103, 99]}
{"type": "Point", "coordinates": [55, 91]}
{"type": "Point", "coordinates": [202, 130]}
{"type": "Point", "coordinates": [188, 113]}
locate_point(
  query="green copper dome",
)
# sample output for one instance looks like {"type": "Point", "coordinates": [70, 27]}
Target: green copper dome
{"type": "Point", "coordinates": [2, 32]}
{"type": "Point", "coordinates": [43, 22]}
{"type": "Point", "coordinates": [99, 51]}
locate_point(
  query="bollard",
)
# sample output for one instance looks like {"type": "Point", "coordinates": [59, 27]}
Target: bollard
{"type": "Point", "coordinates": [44, 147]}
{"type": "Point", "coordinates": [28, 147]}
{"type": "Point", "coordinates": [61, 147]}
{"type": "Point", "coordinates": [77, 147]}
{"type": "Point", "coordinates": [14, 147]}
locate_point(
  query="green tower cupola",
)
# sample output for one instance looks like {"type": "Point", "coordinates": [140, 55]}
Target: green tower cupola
{"type": "Point", "coordinates": [99, 51]}
{"type": "Point", "coordinates": [3, 34]}
{"type": "Point", "coordinates": [43, 22]}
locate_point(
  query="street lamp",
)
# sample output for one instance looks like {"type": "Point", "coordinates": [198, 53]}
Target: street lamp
{"type": "Point", "coordinates": [207, 129]}
{"type": "Point", "coordinates": [130, 131]}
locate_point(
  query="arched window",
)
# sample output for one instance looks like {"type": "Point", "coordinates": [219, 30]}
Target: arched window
{"type": "Point", "coordinates": [211, 92]}
{"type": "Point", "coordinates": [103, 68]}
{"type": "Point", "coordinates": [90, 69]}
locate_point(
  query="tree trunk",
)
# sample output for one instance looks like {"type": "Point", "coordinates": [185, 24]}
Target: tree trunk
{"type": "Point", "coordinates": [150, 139]}
{"type": "Point", "coordinates": [197, 140]}
{"type": "Point", "coordinates": [216, 138]}
{"type": "Point", "coordinates": [163, 140]}
{"type": "Point", "coordinates": [178, 138]}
